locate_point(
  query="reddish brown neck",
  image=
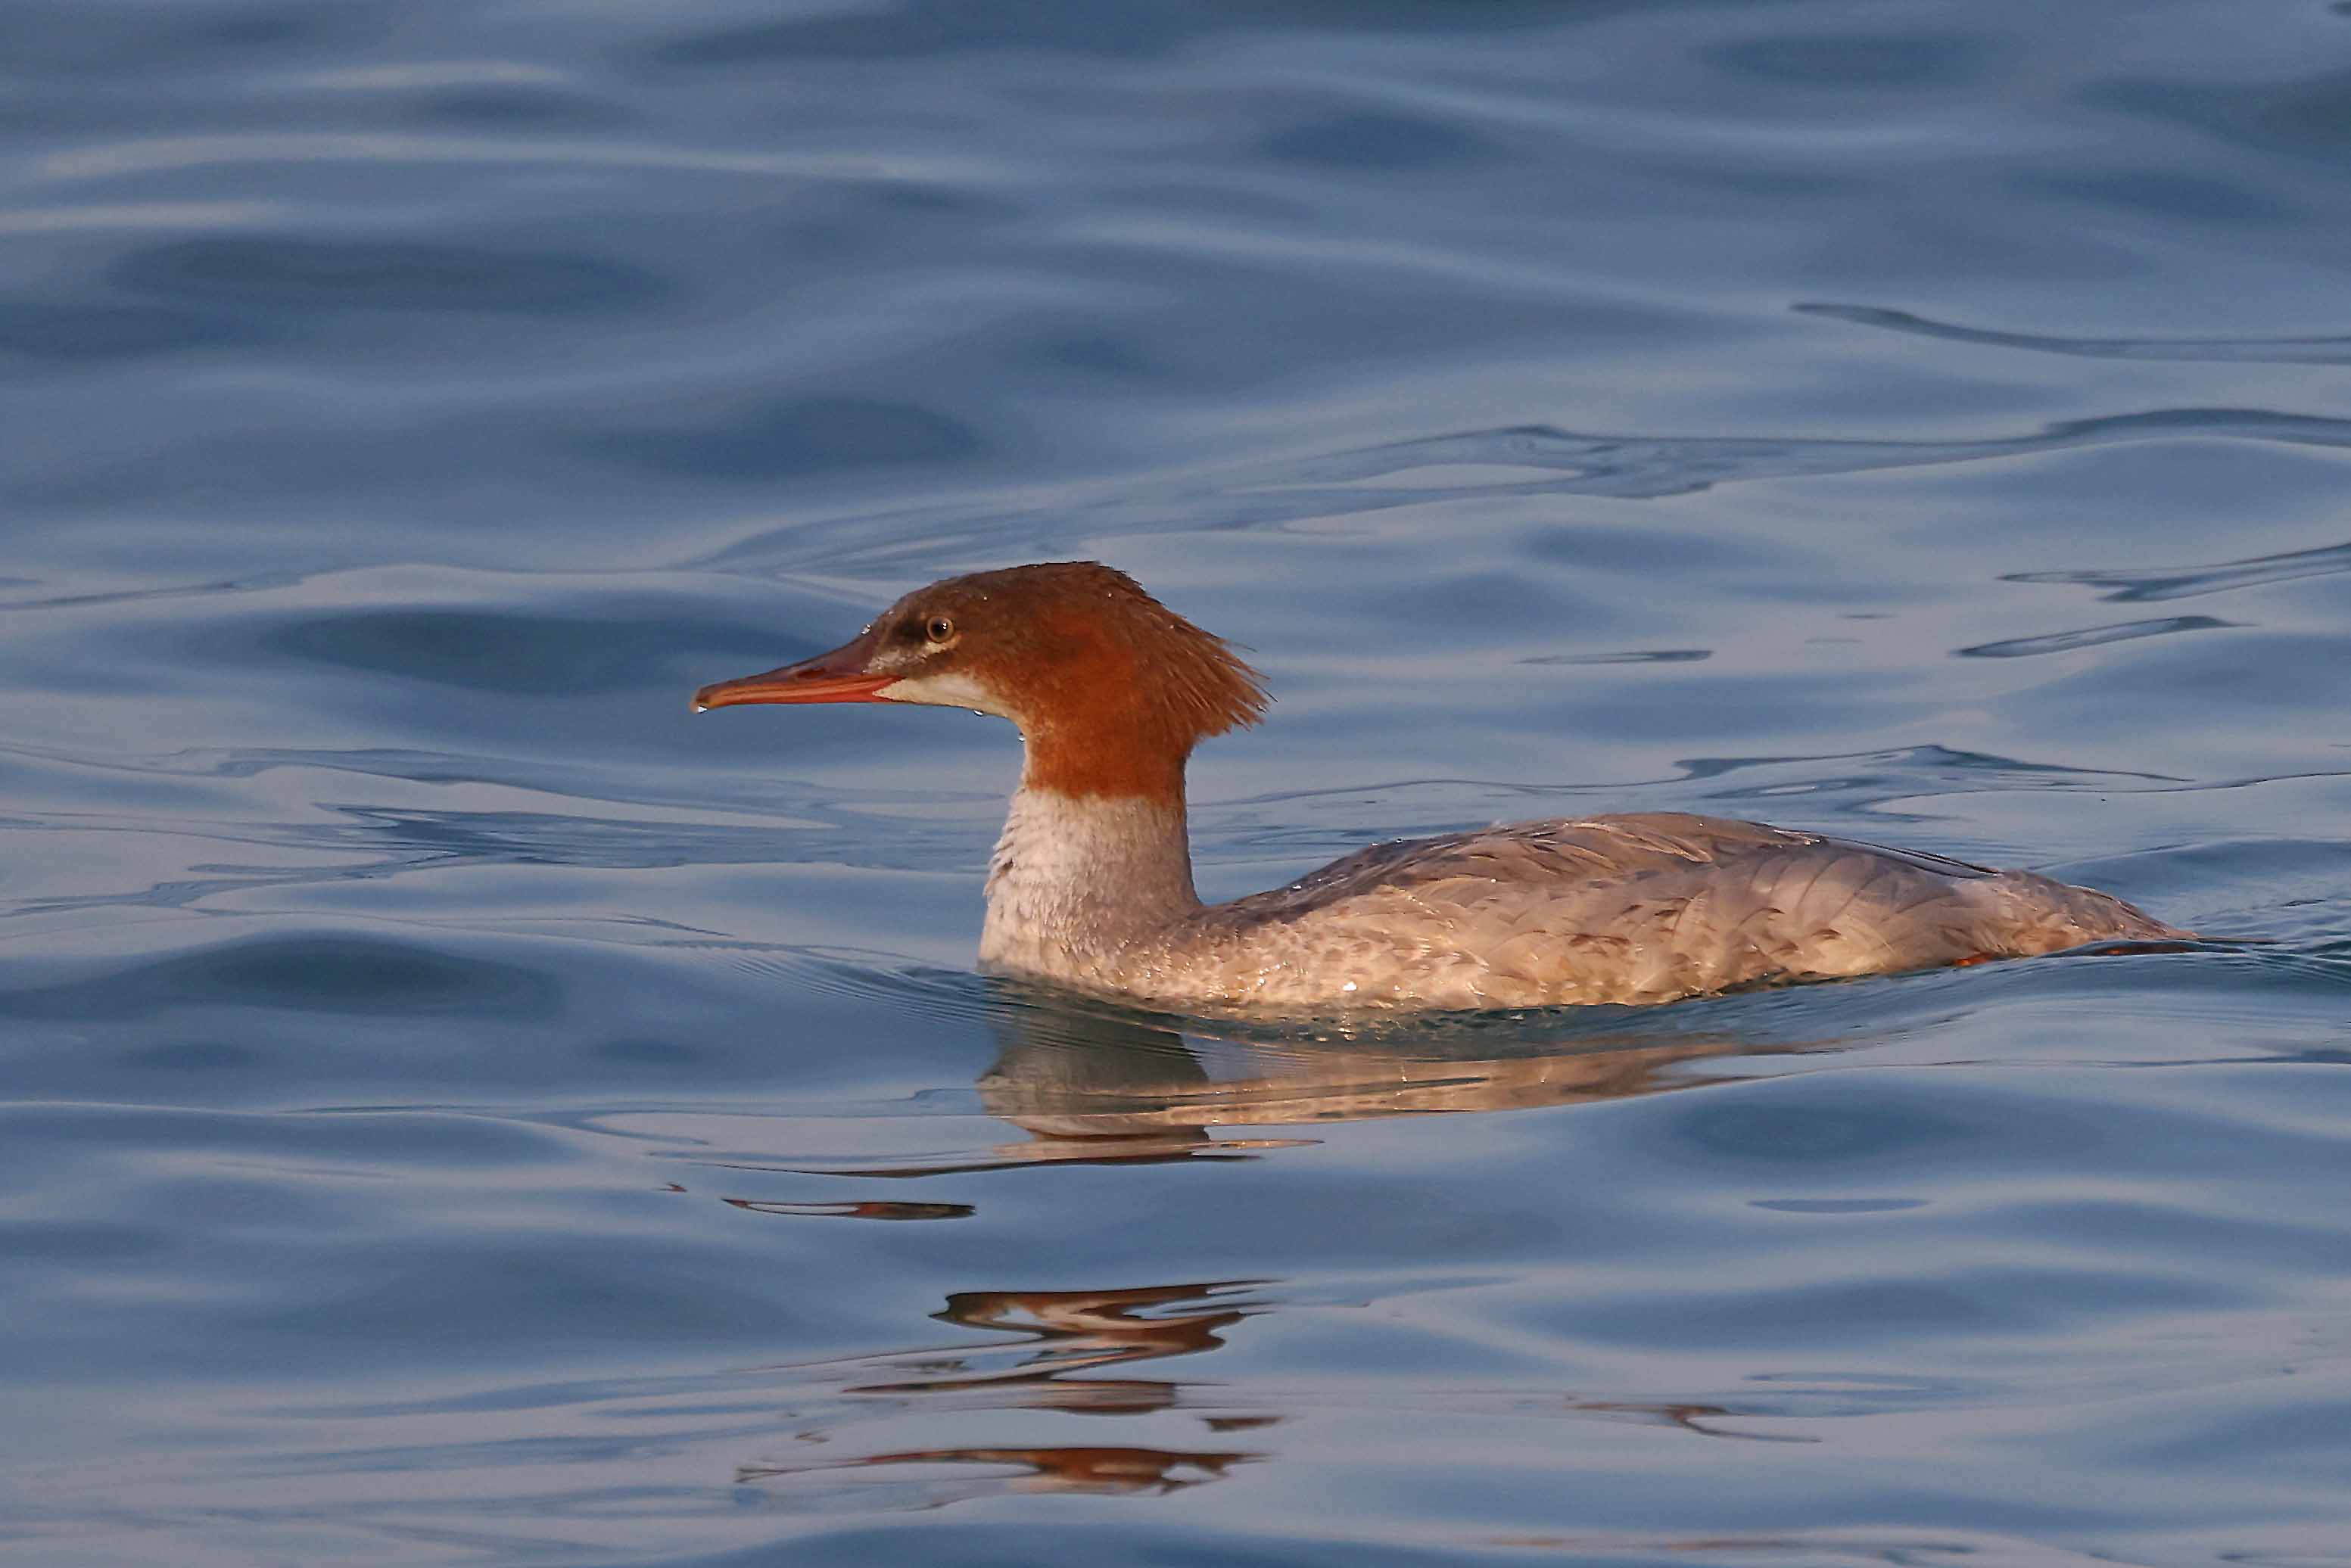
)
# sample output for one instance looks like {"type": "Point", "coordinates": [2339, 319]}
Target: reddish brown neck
{"type": "Point", "coordinates": [1105, 762]}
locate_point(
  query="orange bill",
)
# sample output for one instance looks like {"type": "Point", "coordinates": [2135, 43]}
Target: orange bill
{"type": "Point", "coordinates": [840, 676]}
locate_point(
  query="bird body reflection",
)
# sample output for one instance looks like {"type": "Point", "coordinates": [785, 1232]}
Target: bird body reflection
{"type": "Point", "coordinates": [1103, 1085]}
{"type": "Point", "coordinates": [1100, 1083]}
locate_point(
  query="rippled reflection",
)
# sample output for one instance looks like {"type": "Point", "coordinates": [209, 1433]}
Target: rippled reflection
{"type": "Point", "coordinates": [1094, 1083]}
{"type": "Point", "coordinates": [1070, 1331]}
{"type": "Point", "coordinates": [1097, 1084]}
{"type": "Point", "coordinates": [1065, 1340]}
{"type": "Point", "coordinates": [1065, 1469]}
{"type": "Point", "coordinates": [1069, 1075]}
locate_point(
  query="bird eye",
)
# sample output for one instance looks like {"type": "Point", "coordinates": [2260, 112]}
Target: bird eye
{"type": "Point", "coordinates": [938, 628]}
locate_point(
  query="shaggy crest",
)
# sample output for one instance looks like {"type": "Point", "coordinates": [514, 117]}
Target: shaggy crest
{"type": "Point", "coordinates": [1111, 687]}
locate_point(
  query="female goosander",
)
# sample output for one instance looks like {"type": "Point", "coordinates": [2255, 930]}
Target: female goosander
{"type": "Point", "coordinates": [1091, 885]}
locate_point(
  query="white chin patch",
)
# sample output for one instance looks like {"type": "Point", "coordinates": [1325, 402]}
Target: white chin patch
{"type": "Point", "coordinates": [948, 688]}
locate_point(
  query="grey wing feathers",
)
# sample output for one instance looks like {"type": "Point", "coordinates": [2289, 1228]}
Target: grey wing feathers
{"type": "Point", "coordinates": [1544, 852]}
{"type": "Point", "coordinates": [1641, 907]}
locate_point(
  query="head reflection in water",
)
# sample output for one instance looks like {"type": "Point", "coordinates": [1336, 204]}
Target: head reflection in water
{"type": "Point", "coordinates": [1066, 1341]}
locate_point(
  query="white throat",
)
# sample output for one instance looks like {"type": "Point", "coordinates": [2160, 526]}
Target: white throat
{"type": "Point", "coordinates": [1075, 881]}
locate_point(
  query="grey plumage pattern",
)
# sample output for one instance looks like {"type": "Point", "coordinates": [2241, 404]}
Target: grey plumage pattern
{"type": "Point", "coordinates": [1640, 908]}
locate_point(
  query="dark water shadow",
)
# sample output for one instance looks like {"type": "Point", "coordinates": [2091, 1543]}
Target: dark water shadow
{"type": "Point", "coordinates": [769, 440]}
{"type": "Point", "coordinates": [373, 976]}
{"type": "Point", "coordinates": [1626, 656]}
{"type": "Point", "coordinates": [284, 273]}
{"type": "Point", "coordinates": [939, 27]}
{"type": "Point", "coordinates": [77, 333]}
{"type": "Point", "coordinates": [2137, 585]}
{"type": "Point", "coordinates": [2092, 637]}
{"type": "Point", "coordinates": [2331, 350]}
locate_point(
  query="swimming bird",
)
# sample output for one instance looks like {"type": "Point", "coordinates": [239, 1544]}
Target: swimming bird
{"type": "Point", "coordinates": [1090, 884]}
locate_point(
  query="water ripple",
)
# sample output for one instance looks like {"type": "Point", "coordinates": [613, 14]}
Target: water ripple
{"type": "Point", "coordinates": [2143, 585]}
{"type": "Point", "coordinates": [2091, 637]}
{"type": "Point", "coordinates": [289, 273]}
{"type": "Point", "coordinates": [159, 155]}
{"type": "Point", "coordinates": [435, 1064]}
{"type": "Point", "coordinates": [2312, 351]}
{"type": "Point", "coordinates": [1629, 656]}
{"type": "Point", "coordinates": [1634, 467]}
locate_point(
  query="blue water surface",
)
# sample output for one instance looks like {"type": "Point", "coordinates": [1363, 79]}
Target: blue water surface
{"type": "Point", "coordinates": [459, 1108]}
